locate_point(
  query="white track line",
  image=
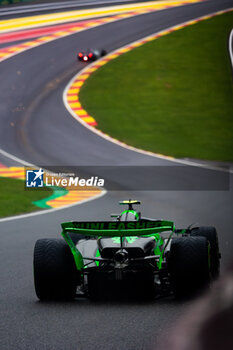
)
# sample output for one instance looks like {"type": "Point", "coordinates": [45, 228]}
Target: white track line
{"type": "Point", "coordinates": [121, 144]}
{"type": "Point", "coordinates": [48, 211]}
{"type": "Point", "coordinates": [15, 159]}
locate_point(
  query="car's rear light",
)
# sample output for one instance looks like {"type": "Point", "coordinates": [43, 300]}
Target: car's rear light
{"type": "Point", "coordinates": [85, 58]}
{"type": "Point", "coordinates": [90, 55]}
{"type": "Point", "coordinates": [80, 54]}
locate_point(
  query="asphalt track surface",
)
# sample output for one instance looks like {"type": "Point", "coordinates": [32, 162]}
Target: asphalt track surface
{"type": "Point", "coordinates": [44, 5]}
{"type": "Point", "coordinates": [41, 7]}
{"type": "Point", "coordinates": [45, 133]}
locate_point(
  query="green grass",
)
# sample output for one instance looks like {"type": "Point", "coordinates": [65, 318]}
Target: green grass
{"type": "Point", "coordinates": [172, 96]}
{"type": "Point", "coordinates": [15, 199]}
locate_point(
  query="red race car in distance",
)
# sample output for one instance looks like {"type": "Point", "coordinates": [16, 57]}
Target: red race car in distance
{"type": "Point", "coordinates": [90, 55]}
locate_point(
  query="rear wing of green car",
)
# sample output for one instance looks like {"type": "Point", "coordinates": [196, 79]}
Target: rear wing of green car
{"type": "Point", "coordinates": [111, 229]}
{"type": "Point", "coordinates": [118, 228]}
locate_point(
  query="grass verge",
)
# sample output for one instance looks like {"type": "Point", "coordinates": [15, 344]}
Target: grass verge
{"type": "Point", "coordinates": [14, 199]}
{"type": "Point", "coordinates": [172, 95]}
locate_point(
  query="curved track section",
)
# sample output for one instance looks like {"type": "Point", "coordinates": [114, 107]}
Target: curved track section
{"type": "Point", "coordinates": [72, 90]}
{"type": "Point", "coordinates": [35, 126]}
{"type": "Point", "coordinates": [31, 95]}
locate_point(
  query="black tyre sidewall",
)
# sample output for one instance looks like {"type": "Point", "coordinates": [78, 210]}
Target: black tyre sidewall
{"type": "Point", "coordinates": [55, 273]}
{"type": "Point", "coordinates": [189, 265]}
{"type": "Point", "coordinates": [211, 235]}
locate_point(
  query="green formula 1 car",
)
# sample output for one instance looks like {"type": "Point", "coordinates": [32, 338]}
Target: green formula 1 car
{"type": "Point", "coordinates": [131, 255]}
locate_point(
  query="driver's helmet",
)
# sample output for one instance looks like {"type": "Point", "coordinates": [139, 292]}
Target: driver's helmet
{"type": "Point", "coordinates": [129, 216]}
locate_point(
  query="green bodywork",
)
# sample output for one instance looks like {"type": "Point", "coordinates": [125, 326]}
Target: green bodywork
{"type": "Point", "coordinates": [129, 230]}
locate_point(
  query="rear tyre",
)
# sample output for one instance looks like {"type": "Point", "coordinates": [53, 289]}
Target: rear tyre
{"type": "Point", "coordinates": [189, 265]}
{"type": "Point", "coordinates": [211, 235]}
{"type": "Point", "coordinates": [55, 273]}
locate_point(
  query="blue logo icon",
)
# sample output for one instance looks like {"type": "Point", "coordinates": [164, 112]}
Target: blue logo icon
{"type": "Point", "coordinates": [35, 178]}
